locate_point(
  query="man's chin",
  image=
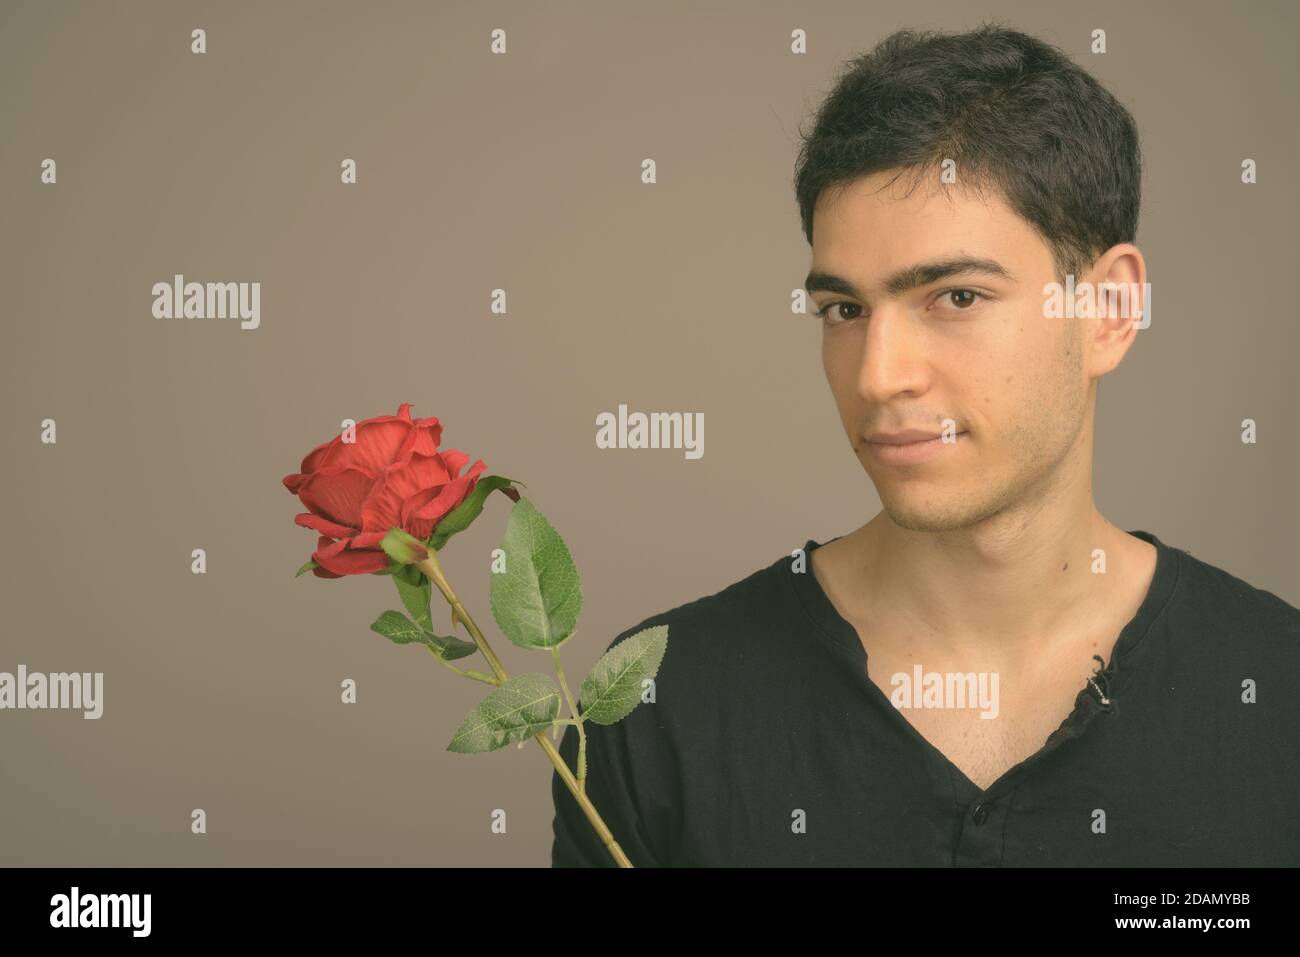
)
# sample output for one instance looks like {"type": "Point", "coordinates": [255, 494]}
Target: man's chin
{"type": "Point", "coordinates": [926, 518]}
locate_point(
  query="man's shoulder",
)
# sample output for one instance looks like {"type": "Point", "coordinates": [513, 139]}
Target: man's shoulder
{"type": "Point", "coordinates": [1218, 599]}
{"type": "Point", "coordinates": [714, 624]}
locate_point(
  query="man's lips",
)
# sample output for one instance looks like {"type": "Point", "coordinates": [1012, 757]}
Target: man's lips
{"type": "Point", "coordinates": [910, 447]}
{"type": "Point", "coordinates": [906, 437]}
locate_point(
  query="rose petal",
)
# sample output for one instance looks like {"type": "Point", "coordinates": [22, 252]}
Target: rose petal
{"type": "Point", "coordinates": [370, 539]}
{"type": "Point", "coordinates": [455, 460]}
{"type": "Point", "coordinates": [338, 558]}
{"type": "Point", "coordinates": [422, 439]}
{"type": "Point", "coordinates": [414, 516]}
{"type": "Point", "coordinates": [379, 442]}
{"type": "Point", "coordinates": [451, 495]}
{"type": "Point", "coordinates": [318, 571]}
{"type": "Point", "coordinates": [313, 459]}
{"type": "Point", "coordinates": [382, 508]}
{"type": "Point", "coordinates": [323, 525]}
{"type": "Point", "coordinates": [374, 447]}
{"type": "Point", "coordinates": [337, 496]}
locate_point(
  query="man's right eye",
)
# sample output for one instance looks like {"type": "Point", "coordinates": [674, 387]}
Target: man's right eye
{"type": "Point", "coordinates": [824, 312]}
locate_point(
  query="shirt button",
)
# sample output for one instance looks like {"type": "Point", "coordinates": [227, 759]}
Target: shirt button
{"type": "Point", "coordinates": [979, 813]}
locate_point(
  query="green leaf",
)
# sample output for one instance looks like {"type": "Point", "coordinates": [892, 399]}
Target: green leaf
{"type": "Point", "coordinates": [537, 599]}
{"type": "Point", "coordinates": [311, 563]}
{"type": "Point", "coordinates": [397, 628]}
{"type": "Point", "coordinates": [449, 648]}
{"type": "Point", "coordinates": [400, 630]}
{"type": "Point", "coordinates": [460, 517]}
{"type": "Point", "coordinates": [415, 589]}
{"type": "Point", "coordinates": [613, 688]}
{"type": "Point", "coordinates": [403, 547]}
{"type": "Point", "coordinates": [520, 708]}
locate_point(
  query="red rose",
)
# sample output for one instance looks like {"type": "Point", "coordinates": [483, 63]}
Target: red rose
{"type": "Point", "coordinates": [393, 474]}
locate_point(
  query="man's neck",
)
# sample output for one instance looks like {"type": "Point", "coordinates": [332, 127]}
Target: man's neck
{"type": "Point", "coordinates": [1003, 588]}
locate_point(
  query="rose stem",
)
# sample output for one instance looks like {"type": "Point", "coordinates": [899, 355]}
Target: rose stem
{"type": "Point", "coordinates": [467, 673]}
{"type": "Point", "coordinates": [430, 566]}
{"type": "Point", "coordinates": [573, 709]}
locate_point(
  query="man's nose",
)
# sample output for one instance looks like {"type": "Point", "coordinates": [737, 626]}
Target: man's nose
{"type": "Point", "coordinates": [893, 356]}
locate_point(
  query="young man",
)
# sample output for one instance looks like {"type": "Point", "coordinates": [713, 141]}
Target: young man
{"type": "Point", "coordinates": [928, 689]}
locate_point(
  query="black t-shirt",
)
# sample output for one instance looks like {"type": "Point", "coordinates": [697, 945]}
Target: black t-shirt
{"type": "Point", "coordinates": [768, 745]}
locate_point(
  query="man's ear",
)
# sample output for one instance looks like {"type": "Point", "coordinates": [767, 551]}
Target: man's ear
{"type": "Point", "coordinates": [1120, 306]}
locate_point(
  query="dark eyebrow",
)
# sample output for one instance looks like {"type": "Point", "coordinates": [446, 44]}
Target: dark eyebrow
{"type": "Point", "coordinates": [910, 277]}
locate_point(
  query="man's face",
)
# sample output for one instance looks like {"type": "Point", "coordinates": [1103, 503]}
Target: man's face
{"type": "Point", "coordinates": [971, 346]}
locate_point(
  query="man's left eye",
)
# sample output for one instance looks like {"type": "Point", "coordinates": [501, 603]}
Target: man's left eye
{"type": "Point", "coordinates": [961, 299]}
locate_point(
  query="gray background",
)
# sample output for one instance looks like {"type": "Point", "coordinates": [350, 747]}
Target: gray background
{"type": "Point", "coordinates": [518, 171]}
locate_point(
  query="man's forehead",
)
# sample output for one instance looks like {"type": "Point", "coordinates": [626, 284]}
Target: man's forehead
{"type": "Point", "coordinates": [858, 246]}
{"type": "Point", "coordinates": [872, 211]}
